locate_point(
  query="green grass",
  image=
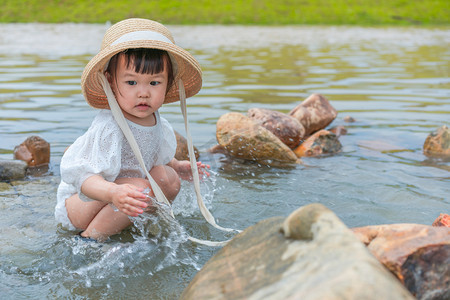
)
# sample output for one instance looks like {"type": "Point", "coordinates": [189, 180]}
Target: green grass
{"type": "Point", "coordinates": [261, 12]}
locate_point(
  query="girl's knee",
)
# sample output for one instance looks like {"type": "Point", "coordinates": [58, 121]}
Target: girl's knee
{"type": "Point", "coordinates": [167, 179]}
{"type": "Point", "coordinates": [138, 182]}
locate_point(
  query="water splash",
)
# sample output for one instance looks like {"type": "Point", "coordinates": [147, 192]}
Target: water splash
{"type": "Point", "coordinates": [186, 204]}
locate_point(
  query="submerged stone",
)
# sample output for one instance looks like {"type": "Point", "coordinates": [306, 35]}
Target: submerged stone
{"type": "Point", "coordinates": [321, 142]}
{"type": "Point", "coordinates": [437, 143]}
{"type": "Point", "coordinates": [309, 255]}
{"type": "Point", "coordinates": [12, 169]}
{"type": "Point", "coordinates": [339, 130]}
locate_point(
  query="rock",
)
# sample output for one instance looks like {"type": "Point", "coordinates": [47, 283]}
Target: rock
{"type": "Point", "coordinates": [314, 113]}
{"type": "Point", "coordinates": [245, 138]}
{"type": "Point", "coordinates": [437, 143]}
{"type": "Point", "coordinates": [12, 169]}
{"type": "Point", "coordinates": [218, 149]}
{"type": "Point", "coordinates": [35, 151]}
{"type": "Point", "coordinates": [321, 142]}
{"type": "Point", "coordinates": [182, 152]}
{"type": "Point", "coordinates": [321, 260]}
{"type": "Point", "coordinates": [418, 255]}
{"type": "Point", "coordinates": [286, 128]}
{"type": "Point", "coordinates": [442, 220]}
{"type": "Point", "coordinates": [339, 130]}
{"type": "Point", "coordinates": [349, 119]}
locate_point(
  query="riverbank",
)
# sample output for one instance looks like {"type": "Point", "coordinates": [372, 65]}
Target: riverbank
{"type": "Point", "coordinates": [264, 12]}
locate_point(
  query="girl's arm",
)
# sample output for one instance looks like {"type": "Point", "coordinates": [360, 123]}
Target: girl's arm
{"type": "Point", "coordinates": [126, 197]}
{"type": "Point", "coordinates": [183, 168]}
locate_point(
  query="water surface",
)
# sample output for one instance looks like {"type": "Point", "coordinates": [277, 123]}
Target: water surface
{"type": "Point", "coordinates": [393, 81]}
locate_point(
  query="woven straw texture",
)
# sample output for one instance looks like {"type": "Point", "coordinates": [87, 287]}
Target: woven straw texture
{"type": "Point", "coordinates": [186, 66]}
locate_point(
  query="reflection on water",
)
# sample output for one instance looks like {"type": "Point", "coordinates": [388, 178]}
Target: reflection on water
{"type": "Point", "coordinates": [393, 82]}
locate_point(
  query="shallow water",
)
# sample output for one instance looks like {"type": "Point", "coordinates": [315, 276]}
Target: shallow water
{"type": "Point", "coordinates": [393, 81]}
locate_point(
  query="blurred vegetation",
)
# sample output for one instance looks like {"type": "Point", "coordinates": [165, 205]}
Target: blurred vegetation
{"type": "Point", "coordinates": [258, 12]}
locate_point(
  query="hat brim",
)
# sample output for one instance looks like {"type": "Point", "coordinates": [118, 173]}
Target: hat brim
{"type": "Point", "coordinates": [187, 69]}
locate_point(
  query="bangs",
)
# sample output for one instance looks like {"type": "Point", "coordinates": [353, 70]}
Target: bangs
{"type": "Point", "coordinates": [146, 61]}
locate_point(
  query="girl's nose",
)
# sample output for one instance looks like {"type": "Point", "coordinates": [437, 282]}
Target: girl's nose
{"type": "Point", "coordinates": [144, 92]}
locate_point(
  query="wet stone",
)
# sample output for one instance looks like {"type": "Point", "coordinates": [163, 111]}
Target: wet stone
{"type": "Point", "coordinates": [418, 255]}
{"type": "Point", "coordinates": [12, 169]}
{"type": "Point", "coordinates": [182, 152]}
{"type": "Point", "coordinates": [321, 142]}
{"type": "Point", "coordinates": [288, 129]}
{"type": "Point", "coordinates": [35, 151]}
{"type": "Point", "coordinates": [437, 143]}
{"type": "Point", "coordinates": [314, 113]}
{"type": "Point", "coordinates": [442, 220]}
{"type": "Point", "coordinates": [245, 138]}
{"type": "Point", "coordinates": [4, 186]}
{"type": "Point", "coordinates": [309, 255]}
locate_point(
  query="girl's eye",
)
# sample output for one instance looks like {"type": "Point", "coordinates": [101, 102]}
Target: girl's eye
{"type": "Point", "coordinates": [131, 82]}
{"type": "Point", "coordinates": [154, 82]}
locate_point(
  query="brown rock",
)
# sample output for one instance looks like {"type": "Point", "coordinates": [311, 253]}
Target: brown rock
{"type": "Point", "coordinates": [321, 142]}
{"type": "Point", "coordinates": [182, 152]}
{"type": "Point", "coordinates": [323, 260]}
{"type": "Point", "coordinates": [245, 138]}
{"type": "Point", "coordinates": [349, 119]}
{"type": "Point", "coordinates": [437, 144]}
{"type": "Point", "coordinates": [442, 220]}
{"type": "Point", "coordinates": [218, 149]}
{"type": "Point", "coordinates": [418, 255]}
{"type": "Point", "coordinates": [286, 128]}
{"type": "Point", "coordinates": [35, 151]}
{"type": "Point", "coordinates": [314, 113]}
{"type": "Point", "coordinates": [339, 130]}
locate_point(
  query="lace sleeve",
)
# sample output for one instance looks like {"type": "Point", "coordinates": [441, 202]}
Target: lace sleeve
{"type": "Point", "coordinates": [168, 144]}
{"type": "Point", "coordinates": [97, 152]}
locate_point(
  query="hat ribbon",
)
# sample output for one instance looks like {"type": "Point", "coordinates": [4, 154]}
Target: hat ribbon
{"type": "Point", "coordinates": [160, 197]}
{"type": "Point", "coordinates": [203, 209]}
{"type": "Point", "coordinates": [141, 35]}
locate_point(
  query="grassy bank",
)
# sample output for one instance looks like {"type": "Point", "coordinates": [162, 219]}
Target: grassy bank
{"type": "Point", "coordinates": [264, 12]}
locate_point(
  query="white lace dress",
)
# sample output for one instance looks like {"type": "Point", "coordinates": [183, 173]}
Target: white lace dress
{"type": "Point", "coordinates": [104, 150]}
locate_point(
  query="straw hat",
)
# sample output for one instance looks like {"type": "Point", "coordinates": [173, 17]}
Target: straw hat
{"type": "Point", "coordinates": [140, 33]}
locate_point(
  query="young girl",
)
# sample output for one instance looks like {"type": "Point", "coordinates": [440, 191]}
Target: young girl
{"type": "Point", "coordinates": [140, 63]}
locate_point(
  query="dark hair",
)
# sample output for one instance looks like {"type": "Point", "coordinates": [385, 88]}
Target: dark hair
{"type": "Point", "coordinates": [145, 61]}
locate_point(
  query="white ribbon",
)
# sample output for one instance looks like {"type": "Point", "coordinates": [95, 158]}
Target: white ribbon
{"type": "Point", "coordinates": [141, 35]}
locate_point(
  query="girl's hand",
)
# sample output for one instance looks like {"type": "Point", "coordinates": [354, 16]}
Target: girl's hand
{"type": "Point", "coordinates": [129, 199]}
{"type": "Point", "coordinates": [183, 168]}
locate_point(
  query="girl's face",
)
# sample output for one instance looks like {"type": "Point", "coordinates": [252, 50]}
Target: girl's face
{"type": "Point", "coordinates": [138, 95]}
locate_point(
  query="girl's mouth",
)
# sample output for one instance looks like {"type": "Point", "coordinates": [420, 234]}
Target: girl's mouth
{"type": "Point", "coordinates": [142, 106]}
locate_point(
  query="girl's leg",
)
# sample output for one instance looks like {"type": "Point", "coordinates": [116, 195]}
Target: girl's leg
{"type": "Point", "coordinates": [99, 220]}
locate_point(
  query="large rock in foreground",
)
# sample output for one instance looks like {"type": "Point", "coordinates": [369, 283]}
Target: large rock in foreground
{"type": "Point", "coordinates": [419, 255]}
{"type": "Point", "coordinates": [314, 256]}
{"type": "Point", "coordinates": [437, 144]}
{"type": "Point", "coordinates": [245, 138]}
{"type": "Point", "coordinates": [314, 113]}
